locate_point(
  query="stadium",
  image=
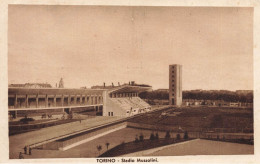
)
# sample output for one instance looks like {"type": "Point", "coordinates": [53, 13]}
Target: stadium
{"type": "Point", "coordinates": [116, 101]}
{"type": "Point", "coordinates": [66, 122]}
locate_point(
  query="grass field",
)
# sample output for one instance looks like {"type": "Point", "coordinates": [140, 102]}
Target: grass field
{"type": "Point", "coordinates": [206, 147]}
{"type": "Point", "coordinates": [131, 147]}
{"type": "Point", "coordinates": [225, 119]}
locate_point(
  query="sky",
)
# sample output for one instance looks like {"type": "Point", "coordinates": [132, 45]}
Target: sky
{"type": "Point", "coordinates": [89, 45]}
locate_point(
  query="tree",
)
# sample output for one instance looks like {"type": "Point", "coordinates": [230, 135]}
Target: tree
{"type": "Point", "coordinates": [186, 135]}
{"type": "Point", "coordinates": [178, 136]}
{"type": "Point", "coordinates": [141, 137]}
{"type": "Point", "coordinates": [136, 139]}
{"type": "Point", "coordinates": [156, 136]}
{"type": "Point", "coordinates": [152, 137]}
{"type": "Point", "coordinates": [167, 135]}
{"type": "Point", "coordinates": [107, 144]}
{"type": "Point", "coordinates": [99, 148]}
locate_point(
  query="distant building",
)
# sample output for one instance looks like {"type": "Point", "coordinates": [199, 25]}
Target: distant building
{"type": "Point", "coordinates": [175, 85]}
{"type": "Point", "coordinates": [234, 104]}
{"type": "Point", "coordinates": [61, 83]}
{"type": "Point", "coordinates": [132, 83]}
{"type": "Point", "coordinates": [31, 85]}
{"type": "Point", "coordinates": [162, 90]}
{"type": "Point", "coordinates": [103, 87]}
{"type": "Point", "coordinates": [17, 85]}
{"type": "Point", "coordinates": [244, 91]}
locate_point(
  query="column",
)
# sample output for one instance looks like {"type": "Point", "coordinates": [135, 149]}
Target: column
{"type": "Point", "coordinates": [80, 99]}
{"type": "Point", "coordinates": [62, 100]}
{"type": "Point", "coordinates": [75, 100]}
{"type": "Point", "coordinates": [54, 100]}
{"type": "Point", "coordinates": [26, 101]}
{"type": "Point", "coordinates": [86, 99]}
{"type": "Point", "coordinates": [15, 101]}
{"type": "Point", "coordinates": [37, 100]}
{"type": "Point", "coordinates": [46, 101]}
{"type": "Point", "coordinates": [69, 100]}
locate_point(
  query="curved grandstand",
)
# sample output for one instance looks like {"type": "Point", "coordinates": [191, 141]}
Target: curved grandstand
{"type": "Point", "coordinates": [124, 101]}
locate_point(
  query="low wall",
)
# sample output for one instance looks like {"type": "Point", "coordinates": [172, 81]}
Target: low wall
{"type": "Point", "coordinates": [73, 141]}
{"type": "Point", "coordinates": [151, 127]}
{"type": "Point", "coordinates": [228, 135]}
{"type": "Point", "coordinates": [51, 146]}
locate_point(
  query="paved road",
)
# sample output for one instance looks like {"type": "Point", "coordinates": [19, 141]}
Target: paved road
{"type": "Point", "coordinates": [17, 142]}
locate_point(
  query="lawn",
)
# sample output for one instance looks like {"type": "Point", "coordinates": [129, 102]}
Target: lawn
{"type": "Point", "coordinates": [130, 147]}
{"type": "Point", "coordinates": [227, 119]}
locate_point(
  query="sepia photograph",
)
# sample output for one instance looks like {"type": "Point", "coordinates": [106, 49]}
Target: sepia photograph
{"type": "Point", "coordinates": [106, 81]}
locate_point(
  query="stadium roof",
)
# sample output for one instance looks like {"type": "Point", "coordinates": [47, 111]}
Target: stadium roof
{"type": "Point", "coordinates": [54, 91]}
{"type": "Point", "coordinates": [130, 88]}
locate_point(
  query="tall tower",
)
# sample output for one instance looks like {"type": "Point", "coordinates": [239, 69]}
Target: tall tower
{"type": "Point", "coordinates": [175, 84]}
